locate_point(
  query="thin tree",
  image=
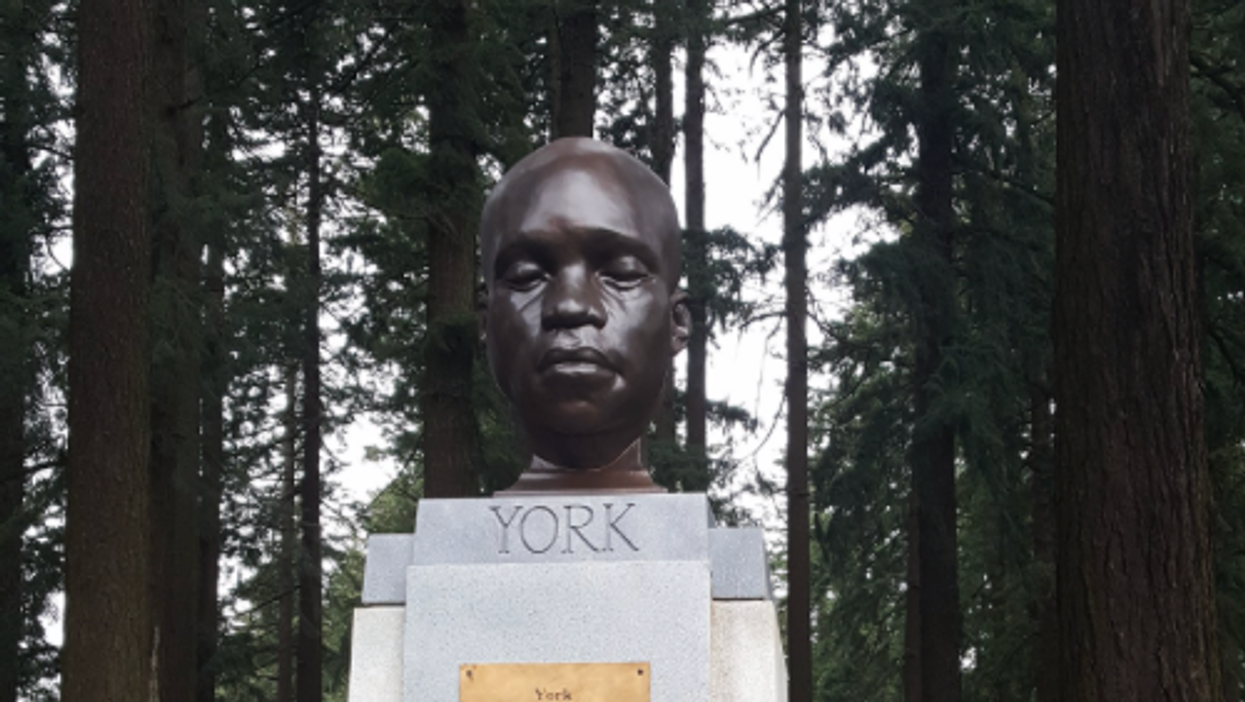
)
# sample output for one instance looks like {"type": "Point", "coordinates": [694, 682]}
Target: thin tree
{"type": "Point", "coordinates": [697, 258]}
{"type": "Point", "coordinates": [662, 59]}
{"type": "Point", "coordinates": [108, 650]}
{"type": "Point", "coordinates": [14, 266]}
{"type": "Point", "coordinates": [574, 54]}
{"type": "Point", "coordinates": [211, 475]}
{"type": "Point", "coordinates": [288, 556]}
{"type": "Point", "coordinates": [662, 140]}
{"type": "Point", "coordinates": [795, 245]}
{"type": "Point", "coordinates": [932, 452]}
{"type": "Point", "coordinates": [1041, 461]}
{"type": "Point", "coordinates": [17, 222]}
{"type": "Point", "coordinates": [309, 647]}
{"type": "Point", "coordinates": [177, 329]}
{"type": "Point", "coordinates": [1134, 578]}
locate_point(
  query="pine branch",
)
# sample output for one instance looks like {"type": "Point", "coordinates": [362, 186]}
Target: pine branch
{"type": "Point", "coordinates": [1009, 181]}
{"type": "Point", "coordinates": [1217, 76]}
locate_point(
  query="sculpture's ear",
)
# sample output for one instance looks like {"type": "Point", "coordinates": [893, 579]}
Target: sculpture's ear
{"type": "Point", "coordinates": [680, 322]}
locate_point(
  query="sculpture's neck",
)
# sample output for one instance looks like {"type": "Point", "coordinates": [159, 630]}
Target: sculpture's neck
{"type": "Point", "coordinates": [626, 473]}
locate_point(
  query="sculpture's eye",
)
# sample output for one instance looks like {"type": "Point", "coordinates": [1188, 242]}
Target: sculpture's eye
{"type": "Point", "coordinates": [625, 273]}
{"type": "Point", "coordinates": [523, 276]}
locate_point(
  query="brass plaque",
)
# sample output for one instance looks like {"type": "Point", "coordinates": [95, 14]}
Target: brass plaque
{"type": "Point", "coordinates": [553, 682]}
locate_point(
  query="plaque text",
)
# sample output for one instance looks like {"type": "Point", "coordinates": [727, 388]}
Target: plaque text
{"type": "Point", "coordinates": [568, 528]}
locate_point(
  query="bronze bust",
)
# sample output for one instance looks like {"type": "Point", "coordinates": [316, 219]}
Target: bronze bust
{"type": "Point", "coordinates": [581, 257]}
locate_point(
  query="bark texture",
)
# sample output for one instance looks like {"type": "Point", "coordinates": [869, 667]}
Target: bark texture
{"type": "Point", "coordinates": [1135, 590]}
{"type": "Point", "coordinates": [696, 259]}
{"type": "Point", "coordinates": [177, 331]}
{"type": "Point", "coordinates": [309, 642]}
{"type": "Point", "coordinates": [912, 609]}
{"type": "Point", "coordinates": [450, 431]}
{"type": "Point", "coordinates": [215, 374]}
{"type": "Point", "coordinates": [17, 200]}
{"type": "Point", "coordinates": [932, 452]}
{"type": "Point", "coordinates": [107, 654]}
{"type": "Point", "coordinates": [661, 144]}
{"type": "Point", "coordinates": [575, 67]}
{"type": "Point", "coordinates": [795, 245]}
{"type": "Point", "coordinates": [662, 60]}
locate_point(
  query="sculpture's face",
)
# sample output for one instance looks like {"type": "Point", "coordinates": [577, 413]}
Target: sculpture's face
{"type": "Point", "coordinates": [582, 315]}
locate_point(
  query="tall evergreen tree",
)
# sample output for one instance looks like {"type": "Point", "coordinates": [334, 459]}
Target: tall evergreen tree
{"type": "Point", "coordinates": [107, 590]}
{"type": "Point", "coordinates": [18, 218]}
{"type": "Point", "coordinates": [989, 286]}
{"type": "Point", "coordinates": [177, 137]}
{"type": "Point", "coordinates": [795, 245]}
{"type": "Point", "coordinates": [310, 648]}
{"type": "Point", "coordinates": [453, 201]}
{"type": "Point", "coordinates": [215, 383]}
{"type": "Point", "coordinates": [696, 258]}
{"type": "Point", "coordinates": [662, 141]}
{"type": "Point", "coordinates": [574, 45]}
{"type": "Point", "coordinates": [932, 452]}
{"type": "Point", "coordinates": [31, 344]}
{"type": "Point", "coordinates": [1135, 588]}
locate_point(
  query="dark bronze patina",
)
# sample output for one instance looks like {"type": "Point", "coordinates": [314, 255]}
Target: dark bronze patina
{"type": "Point", "coordinates": [580, 245]}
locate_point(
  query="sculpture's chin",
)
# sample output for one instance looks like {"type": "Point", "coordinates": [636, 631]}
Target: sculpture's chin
{"type": "Point", "coordinates": [624, 474]}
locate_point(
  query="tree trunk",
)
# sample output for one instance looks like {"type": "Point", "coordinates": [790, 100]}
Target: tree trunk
{"type": "Point", "coordinates": [289, 541]}
{"type": "Point", "coordinates": [576, 67]}
{"type": "Point", "coordinates": [16, 233]}
{"type": "Point", "coordinates": [662, 59]}
{"type": "Point", "coordinates": [310, 654]}
{"type": "Point", "coordinates": [108, 651]}
{"type": "Point", "coordinates": [1041, 476]}
{"type": "Point", "coordinates": [175, 386]}
{"type": "Point", "coordinates": [450, 432]}
{"type": "Point", "coordinates": [933, 440]}
{"type": "Point", "coordinates": [216, 383]}
{"type": "Point", "coordinates": [662, 140]}
{"type": "Point", "coordinates": [12, 478]}
{"type": "Point", "coordinates": [912, 608]}
{"type": "Point", "coordinates": [799, 635]}
{"type": "Point", "coordinates": [696, 262]}
{"type": "Point", "coordinates": [1135, 588]}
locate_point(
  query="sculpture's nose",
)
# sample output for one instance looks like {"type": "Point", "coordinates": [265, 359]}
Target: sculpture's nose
{"type": "Point", "coordinates": [572, 300]}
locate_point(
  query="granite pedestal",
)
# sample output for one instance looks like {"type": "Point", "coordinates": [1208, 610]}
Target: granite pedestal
{"type": "Point", "coordinates": [568, 579]}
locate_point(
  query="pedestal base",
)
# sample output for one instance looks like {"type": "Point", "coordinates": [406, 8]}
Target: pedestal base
{"type": "Point", "coordinates": [569, 579]}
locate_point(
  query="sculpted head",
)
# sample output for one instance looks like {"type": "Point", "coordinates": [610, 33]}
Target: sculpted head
{"type": "Point", "coordinates": [581, 257]}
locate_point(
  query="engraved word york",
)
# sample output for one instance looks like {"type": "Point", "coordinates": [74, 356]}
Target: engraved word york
{"type": "Point", "coordinates": [540, 528]}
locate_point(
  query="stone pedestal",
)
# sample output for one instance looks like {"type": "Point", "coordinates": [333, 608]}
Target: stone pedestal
{"type": "Point", "coordinates": [568, 579]}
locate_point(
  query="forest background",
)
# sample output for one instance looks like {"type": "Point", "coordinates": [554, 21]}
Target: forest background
{"type": "Point", "coordinates": [273, 228]}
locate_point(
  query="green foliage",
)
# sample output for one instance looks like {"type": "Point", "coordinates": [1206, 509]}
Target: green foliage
{"type": "Point", "coordinates": [1218, 114]}
{"type": "Point", "coordinates": [860, 493]}
{"type": "Point", "coordinates": [1002, 258]}
{"type": "Point", "coordinates": [33, 312]}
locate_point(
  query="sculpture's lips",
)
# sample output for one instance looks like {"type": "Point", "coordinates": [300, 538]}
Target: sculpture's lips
{"type": "Point", "coordinates": [568, 357]}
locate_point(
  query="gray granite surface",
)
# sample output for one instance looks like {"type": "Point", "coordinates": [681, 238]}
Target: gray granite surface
{"type": "Point", "coordinates": [570, 529]}
{"type": "Point", "coordinates": [563, 529]}
{"type": "Point", "coordinates": [376, 654]}
{"type": "Point", "coordinates": [384, 572]}
{"type": "Point", "coordinates": [740, 564]}
{"type": "Point", "coordinates": [748, 664]}
{"type": "Point", "coordinates": [585, 612]}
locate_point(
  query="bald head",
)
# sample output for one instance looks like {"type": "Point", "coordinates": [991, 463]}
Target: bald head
{"type": "Point", "coordinates": [580, 247]}
{"type": "Point", "coordinates": [555, 177]}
